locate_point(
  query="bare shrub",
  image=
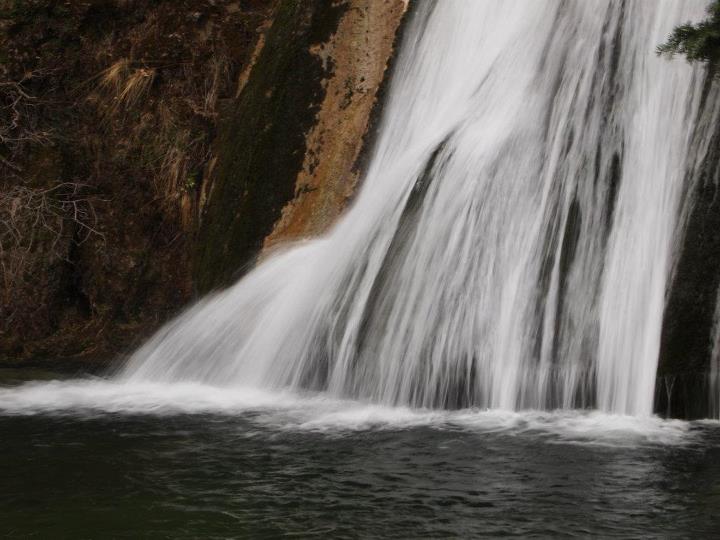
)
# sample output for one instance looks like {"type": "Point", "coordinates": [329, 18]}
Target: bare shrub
{"type": "Point", "coordinates": [19, 120]}
{"type": "Point", "coordinates": [41, 220]}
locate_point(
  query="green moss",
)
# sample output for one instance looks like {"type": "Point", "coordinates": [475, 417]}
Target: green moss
{"type": "Point", "coordinates": [262, 142]}
{"type": "Point", "coordinates": [192, 181]}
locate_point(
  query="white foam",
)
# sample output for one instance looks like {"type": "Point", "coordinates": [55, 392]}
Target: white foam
{"type": "Point", "coordinates": [144, 398]}
{"type": "Point", "coordinates": [320, 413]}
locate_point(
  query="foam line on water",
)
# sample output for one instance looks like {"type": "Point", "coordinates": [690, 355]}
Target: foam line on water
{"type": "Point", "coordinates": [284, 410]}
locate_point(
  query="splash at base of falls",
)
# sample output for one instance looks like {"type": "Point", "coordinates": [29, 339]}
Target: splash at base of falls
{"type": "Point", "coordinates": [514, 236]}
{"type": "Point", "coordinates": [319, 413]}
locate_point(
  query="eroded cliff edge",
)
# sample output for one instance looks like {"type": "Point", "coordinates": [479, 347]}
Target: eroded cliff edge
{"type": "Point", "coordinates": [289, 148]}
{"type": "Point", "coordinates": [161, 145]}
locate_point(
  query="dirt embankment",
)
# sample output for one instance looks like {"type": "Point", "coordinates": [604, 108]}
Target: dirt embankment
{"type": "Point", "coordinates": [289, 145]}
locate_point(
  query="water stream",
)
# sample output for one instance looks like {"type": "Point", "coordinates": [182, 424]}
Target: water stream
{"type": "Point", "coordinates": [514, 237]}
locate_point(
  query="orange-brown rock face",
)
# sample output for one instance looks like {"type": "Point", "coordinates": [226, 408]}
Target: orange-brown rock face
{"type": "Point", "coordinates": [357, 57]}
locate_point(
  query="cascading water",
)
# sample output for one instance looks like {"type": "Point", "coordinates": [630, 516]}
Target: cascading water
{"type": "Point", "coordinates": [513, 240]}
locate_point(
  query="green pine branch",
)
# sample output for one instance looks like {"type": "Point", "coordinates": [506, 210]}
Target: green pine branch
{"type": "Point", "coordinates": [697, 42]}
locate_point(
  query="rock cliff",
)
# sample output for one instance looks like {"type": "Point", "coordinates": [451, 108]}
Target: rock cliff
{"type": "Point", "coordinates": [150, 150]}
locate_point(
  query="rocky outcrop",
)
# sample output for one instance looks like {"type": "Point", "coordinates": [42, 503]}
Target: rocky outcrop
{"type": "Point", "coordinates": [168, 142]}
{"type": "Point", "coordinates": [289, 146]}
{"type": "Point", "coordinates": [358, 55]}
{"type": "Point", "coordinates": [108, 110]}
{"type": "Point", "coordinates": [684, 385]}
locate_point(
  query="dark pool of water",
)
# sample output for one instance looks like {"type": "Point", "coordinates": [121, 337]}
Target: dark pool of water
{"type": "Point", "coordinates": [203, 475]}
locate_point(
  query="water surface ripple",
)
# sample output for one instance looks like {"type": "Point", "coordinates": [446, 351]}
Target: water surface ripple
{"type": "Point", "coordinates": [95, 459]}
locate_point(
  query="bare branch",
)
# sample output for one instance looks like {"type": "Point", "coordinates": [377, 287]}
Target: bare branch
{"type": "Point", "coordinates": [53, 216]}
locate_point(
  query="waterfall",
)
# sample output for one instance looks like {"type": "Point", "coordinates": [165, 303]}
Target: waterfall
{"type": "Point", "coordinates": [513, 240]}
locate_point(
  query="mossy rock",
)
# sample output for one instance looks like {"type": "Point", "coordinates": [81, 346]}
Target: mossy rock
{"type": "Point", "coordinates": [262, 142]}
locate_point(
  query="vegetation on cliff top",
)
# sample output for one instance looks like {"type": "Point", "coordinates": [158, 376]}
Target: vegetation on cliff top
{"type": "Point", "coordinates": [697, 42]}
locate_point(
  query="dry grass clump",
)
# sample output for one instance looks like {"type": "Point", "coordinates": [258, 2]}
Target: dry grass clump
{"type": "Point", "coordinates": [203, 98]}
{"type": "Point", "coordinates": [136, 86]}
{"type": "Point", "coordinates": [174, 168]}
{"type": "Point", "coordinates": [157, 94]}
{"type": "Point", "coordinates": [168, 134]}
{"type": "Point", "coordinates": [126, 85]}
{"type": "Point", "coordinates": [113, 76]}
